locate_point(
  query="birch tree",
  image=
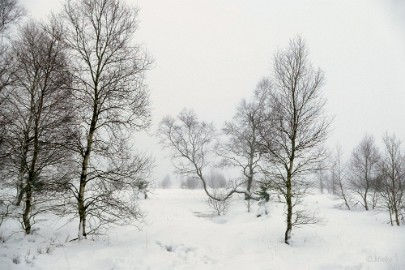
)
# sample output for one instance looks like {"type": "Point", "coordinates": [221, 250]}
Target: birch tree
{"type": "Point", "coordinates": [10, 14]}
{"type": "Point", "coordinates": [339, 176]}
{"type": "Point", "coordinates": [363, 169]}
{"type": "Point", "coordinates": [40, 115]}
{"type": "Point", "coordinates": [240, 148]}
{"type": "Point", "coordinates": [112, 102]}
{"type": "Point", "coordinates": [292, 139]}
{"type": "Point", "coordinates": [393, 178]}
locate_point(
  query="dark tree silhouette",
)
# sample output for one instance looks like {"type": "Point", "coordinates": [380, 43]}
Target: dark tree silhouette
{"type": "Point", "coordinates": [39, 116]}
{"type": "Point", "coordinates": [112, 98]}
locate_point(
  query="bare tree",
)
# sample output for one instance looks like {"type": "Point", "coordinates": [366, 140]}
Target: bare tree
{"type": "Point", "coordinates": [10, 12]}
{"type": "Point", "coordinates": [112, 98]}
{"type": "Point", "coordinates": [363, 169]}
{"type": "Point", "coordinates": [339, 177]}
{"type": "Point", "coordinates": [293, 136]}
{"type": "Point", "coordinates": [39, 116]}
{"type": "Point", "coordinates": [6, 70]}
{"type": "Point", "coordinates": [241, 148]}
{"type": "Point", "coordinates": [392, 168]}
{"type": "Point", "coordinates": [192, 144]}
{"type": "Point", "coordinates": [220, 207]}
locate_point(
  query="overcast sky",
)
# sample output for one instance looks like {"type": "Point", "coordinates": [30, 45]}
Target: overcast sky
{"type": "Point", "coordinates": [209, 54]}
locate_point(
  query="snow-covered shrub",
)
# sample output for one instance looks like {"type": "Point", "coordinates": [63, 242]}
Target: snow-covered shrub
{"type": "Point", "coordinates": [221, 205]}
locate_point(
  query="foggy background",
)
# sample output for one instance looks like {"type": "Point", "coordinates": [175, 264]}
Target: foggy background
{"type": "Point", "coordinates": [211, 54]}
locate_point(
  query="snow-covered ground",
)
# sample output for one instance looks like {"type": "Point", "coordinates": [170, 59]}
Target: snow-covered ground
{"type": "Point", "coordinates": [180, 232]}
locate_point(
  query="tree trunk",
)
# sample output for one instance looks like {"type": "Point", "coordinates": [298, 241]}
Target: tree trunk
{"type": "Point", "coordinates": [321, 183]}
{"type": "Point", "coordinates": [248, 188]}
{"type": "Point", "coordinates": [83, 179]}
{"type": "Point", "coordinates": [347, 204]}
{"type": "Point", "coordinates": [343, 195]}
{"type": "Point", "coordinates": [365, 200]}
{"type": "Point", "coordinates": [396, 215]}
{"type": "Point", "coordinates": [81, 210]}
{"type": "Point", "coordinates": [80, 200]}
{"type": "Point", "coordinates": [20, 180]}
{"type": "Point", "coordinates": [27, 209]}
{"type": "Point", "coordinates": [249, 179]}
{"type": "Point", "coordinates": [289, 210]}
{"type": "Point", "coordinates": [390, 212]}
{"type": "Point", "coordinates": [32, 175]}
{"type": "Point", "coordinates": [375, 199]}
{"type": "Point", "coordinates": [249, 185]}
{"type": "Point", "coordinates": [20, 187]}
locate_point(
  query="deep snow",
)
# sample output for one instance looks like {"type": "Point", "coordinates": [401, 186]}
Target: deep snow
{"type": "Point", "coordinates": [180, 232]}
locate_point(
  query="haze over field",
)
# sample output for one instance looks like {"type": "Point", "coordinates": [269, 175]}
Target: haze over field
{"type": "Point", "coordinates": [209, 55]}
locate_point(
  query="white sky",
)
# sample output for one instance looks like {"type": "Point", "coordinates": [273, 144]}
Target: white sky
{"type": "Point", "coordinates": [209, 54]}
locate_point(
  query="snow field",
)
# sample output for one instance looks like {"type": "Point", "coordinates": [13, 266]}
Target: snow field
{"type": "Point", "coordinates": [181, 232]}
